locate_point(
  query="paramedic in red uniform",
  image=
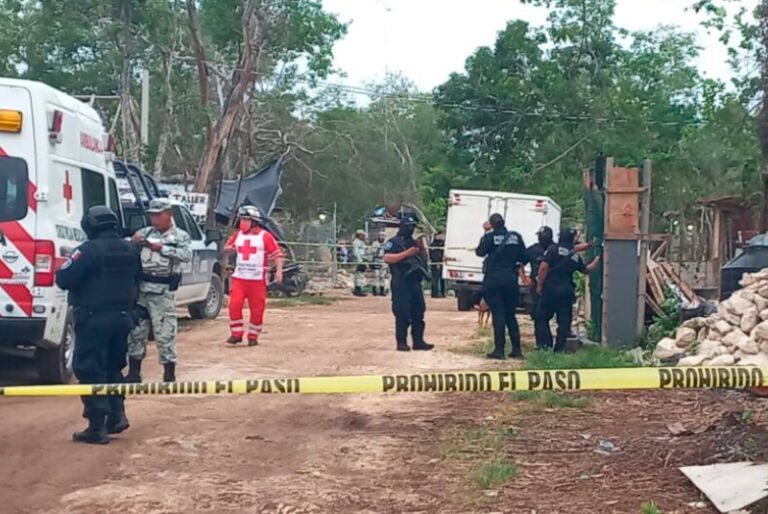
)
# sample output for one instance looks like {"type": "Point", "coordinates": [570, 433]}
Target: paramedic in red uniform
{"type": "Point", "coordinates": [255, 248]}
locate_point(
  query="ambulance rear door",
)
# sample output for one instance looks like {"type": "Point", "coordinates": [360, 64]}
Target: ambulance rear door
{"type": "Point", "coordinates": [18, 202]}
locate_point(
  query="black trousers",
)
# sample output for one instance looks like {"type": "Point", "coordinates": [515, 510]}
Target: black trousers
{"type": "Point", "coordinates": [541, 329]}
{"type": "Point", "coordinates": [561, 307]}
{"type": "Point", "coordinates": [101, 346]}
{"type": "Point", "coordinates": [502, 300]}
{"type": "Point", "coordinates": [408, 306]}
{"type": "Point", "coordinates": [438, 284]}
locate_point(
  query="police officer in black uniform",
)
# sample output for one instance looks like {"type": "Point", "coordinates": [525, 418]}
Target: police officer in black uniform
{"type": "Point", "coordinates": [436, 256]}
{"type": "Point", "coordinates": [407, 261]}
{"type": "Point", "coordinates": [535, 257]}
{"type": "Point", "coordinates": [505, 255]}
{"type": "Point", "coordinates": [102, 277]}
{"type": "Point", "coordinates": [555, 286]}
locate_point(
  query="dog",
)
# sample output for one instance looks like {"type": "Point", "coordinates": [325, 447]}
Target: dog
{"type": "Point", "coordinates": [483, 314]}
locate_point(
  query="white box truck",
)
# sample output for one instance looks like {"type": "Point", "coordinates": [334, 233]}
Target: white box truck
{"type": "Point", "coordinates": [467, 211]}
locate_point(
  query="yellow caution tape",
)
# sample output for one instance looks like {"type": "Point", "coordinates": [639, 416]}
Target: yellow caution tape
{"type": "Point", "coordinates": [443, 382]}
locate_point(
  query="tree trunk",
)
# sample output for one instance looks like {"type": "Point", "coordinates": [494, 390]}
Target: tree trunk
{"type": "Point", "coordinates": [130, 147]}
{"type": "Point", "coordinates": [762, 120]}
{"type": "Point", "coordinates": [165, 136]}
{"type": "Point", "coordinates": [243, 76]}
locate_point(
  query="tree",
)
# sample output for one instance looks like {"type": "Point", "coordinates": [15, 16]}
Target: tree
{"type": "Point", "coordinates": [528, 114]}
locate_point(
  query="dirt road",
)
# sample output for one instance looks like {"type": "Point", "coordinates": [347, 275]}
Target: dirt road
{"type": "Point", "coordinates": [368, 453]}
{"type": "Point", "coordinates": [246, 454]}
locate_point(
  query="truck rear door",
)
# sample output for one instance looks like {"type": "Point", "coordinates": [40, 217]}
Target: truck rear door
{"type": "Point", "coordinates": [464, 228]}
{"type": "Point", "coordinates": [526, 216]}
{"type": "Point", "coordinates": [18, 203]}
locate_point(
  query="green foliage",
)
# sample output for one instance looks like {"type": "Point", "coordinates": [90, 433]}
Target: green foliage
{"type": "Point", "coordinates": [664, 326]}
{"type": "Point", "coordinates": [527, 113]}
{"type": "Point", "coordinates": [494, 472]}
{"type": "Point", "coordinates": [650, 507]}
{"type": "Point", "coordinates": [588, 357]}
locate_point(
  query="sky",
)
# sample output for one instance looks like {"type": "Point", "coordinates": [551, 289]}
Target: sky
{"type": "Point", "coordinates": [427, 40]}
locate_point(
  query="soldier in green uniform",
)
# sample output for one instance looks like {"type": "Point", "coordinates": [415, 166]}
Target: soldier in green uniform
{"type": "Point", "coordinates": [164, 248]}
{"type": "Point", "coordinates": [359, 257]}
{"type": "Point", "coordinates": [378, 266]}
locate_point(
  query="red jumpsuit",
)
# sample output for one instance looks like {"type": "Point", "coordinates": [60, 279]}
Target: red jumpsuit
{"type": "Point", "coordinates": [254, 250]}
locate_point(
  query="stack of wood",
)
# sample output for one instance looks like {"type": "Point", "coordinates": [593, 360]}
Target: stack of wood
{"type": "Point", "coordinates": [736, 334]}
{"type": "Point", "coordinates": [661, 278]}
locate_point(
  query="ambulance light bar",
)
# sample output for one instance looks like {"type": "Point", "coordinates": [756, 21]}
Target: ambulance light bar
{"type": "Point", "coordinates": [10, 121]}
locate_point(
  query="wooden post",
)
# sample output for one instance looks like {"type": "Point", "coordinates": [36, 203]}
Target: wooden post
{"type": "Point", "coordinates": [643, 244]}
{"type": "Point", "coordinates": [717, 244]}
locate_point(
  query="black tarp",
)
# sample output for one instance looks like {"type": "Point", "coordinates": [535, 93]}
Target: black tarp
{"type": "Point", "coordinates": [262, 189]}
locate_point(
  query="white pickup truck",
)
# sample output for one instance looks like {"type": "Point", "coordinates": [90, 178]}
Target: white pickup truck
{"type": "Point", "coordinates": [467, 211]}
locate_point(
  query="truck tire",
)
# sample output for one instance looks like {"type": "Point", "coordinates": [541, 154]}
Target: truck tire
{"type": "Point", "coordinates": [211, 306]}
{"type": "Point", "coordinates": [55, 365]}
{"type": "Point", "coordinates": [465, 300]}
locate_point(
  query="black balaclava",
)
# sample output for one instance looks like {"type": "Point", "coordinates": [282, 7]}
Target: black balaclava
{"type": "Point", "coordinates": [407, 229]}
{"type": "Point", "coordinates": [567, 238]}
{"type": "Point", "coordinates": [545, 236]}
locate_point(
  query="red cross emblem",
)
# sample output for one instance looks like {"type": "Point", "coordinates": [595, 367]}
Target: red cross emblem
{"type": "Point", "coordinates": [247, 250]}
{"type": "Point", "coordinates": [67, 189]}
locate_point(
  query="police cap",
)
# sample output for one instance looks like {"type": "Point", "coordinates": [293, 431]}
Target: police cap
{"type": "Point", "coordinates": [408, 219]}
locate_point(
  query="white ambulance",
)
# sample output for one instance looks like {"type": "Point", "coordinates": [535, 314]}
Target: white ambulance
{"type": "Point", "coordinates": [53, 167]}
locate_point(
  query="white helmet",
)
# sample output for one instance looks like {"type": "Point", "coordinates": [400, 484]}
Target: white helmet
{"type": "Point", "coordinates": [250, 212]}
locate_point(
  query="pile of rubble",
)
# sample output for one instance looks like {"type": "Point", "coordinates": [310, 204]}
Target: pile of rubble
{"type": "Point", "coordinates": [736, 335]}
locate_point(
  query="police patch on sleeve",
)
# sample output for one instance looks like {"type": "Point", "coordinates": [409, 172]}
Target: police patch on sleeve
{"type": "Point", "coordinates": [388, 246]}
{"type": "Point", "coordinates": [72, 258]}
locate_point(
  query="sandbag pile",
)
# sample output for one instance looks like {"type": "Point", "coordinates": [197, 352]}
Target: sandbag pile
{"type": "Point", "coordinates": [736, 335]}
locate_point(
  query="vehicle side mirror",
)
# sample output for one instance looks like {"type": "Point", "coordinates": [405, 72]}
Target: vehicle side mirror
{"type": "Point", "coordinates": [164, 193]}
{"type": "Point", "coordinates": [212, 235]}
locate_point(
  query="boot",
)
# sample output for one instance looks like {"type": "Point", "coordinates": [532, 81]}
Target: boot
{"type": "Point", "coordinates": [495, 356]}
{"type": "Point", "coordinates": [169, 372]}
{"type": "Point", "coordinates": [134, 371]}
{"type": "Point", "coordinates": [253, 341]}
{"type": "Point", "coordinates": [517, 349]}
{"type": "Point", "coordinates": [401, 335]}
{"type": "Point", "coordinates": [233, 340]}
{"type": "Point", "coordinates": [358, 291]}
{"type": "Point", "coordinates": [96, 433]}
{"type": "Point", "coordinates": [417, 333]}
{"type": "Point", "coordinates": [117, 421]}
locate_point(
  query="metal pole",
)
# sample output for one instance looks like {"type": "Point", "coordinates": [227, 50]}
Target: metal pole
{"type": "Point", "coordinates": [644, 244]}
{"type": "Point", "coordinates": [145, 107]}
{"type": "Point", "coordinates": [335, 258]}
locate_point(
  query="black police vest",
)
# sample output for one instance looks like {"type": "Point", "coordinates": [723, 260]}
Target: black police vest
{"type": "Point", "coordinates": [506, 253]}
{"type": "Point", "coordinates": [559, 279]}
{"type": "Point", "coordinates": [112, 285]}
